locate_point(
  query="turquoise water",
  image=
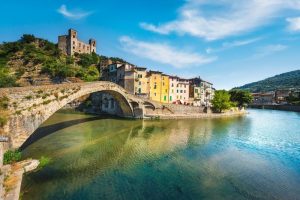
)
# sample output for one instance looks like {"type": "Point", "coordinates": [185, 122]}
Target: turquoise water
{"type": "Point", "coordinates": [251, 157]}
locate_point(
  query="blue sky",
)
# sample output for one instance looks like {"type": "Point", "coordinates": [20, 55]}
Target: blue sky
{"type": "Point", "coordinates": [227, 42]}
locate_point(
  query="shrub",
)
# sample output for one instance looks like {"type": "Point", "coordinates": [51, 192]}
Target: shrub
{"type": "Point", "coordinates": [3, 121]}
{"type": "Point", "coordinates": [28, 97]}
{"type": "Point", "coordinates": [11, 156]}
{"type": "Point", "coordinates": [44, 161]}
{"type": "Point", "coordinates": [28, 38]}
{"type": "Point", "coordinates": [4, 101]}
{"type": "Point", "coordinates": [6, 79]}
{"type": "Point", "coordinates": [46, 102]}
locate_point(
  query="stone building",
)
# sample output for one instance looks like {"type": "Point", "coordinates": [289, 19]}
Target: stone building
{"type": "Point", "coordinates": [70, 44]}
{"type": "Point", "coordinates": [142, 82]}
{"type": "Point", "coordinates": [201, 92]}
{"type": "Point", "coordinates": [263, 98]}
{"type": "Point", "coordinates": [126, 75]}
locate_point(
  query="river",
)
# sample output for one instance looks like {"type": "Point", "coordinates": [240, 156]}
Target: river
{"type": "Point", "coordinates": [251, 157]}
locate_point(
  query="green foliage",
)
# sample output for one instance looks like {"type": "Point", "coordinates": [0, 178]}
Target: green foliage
{"type": "Point", "coordinates": [4, 102]}
{"type": "Point", "coordinates": [87, 60]}
{"type": "Point", "coordinates": [281, 81]}
{"type": "Point", "coordinates": [91, 74]}
{"type": "Point", "coordinates": [6, 79]}
{"type": "Point", "coordinates": [44, 161]}
{"type": "Point", "coordinates": [11, 156]}
{"type": "Point", "coordinates": [241, 97]}
{"type": "Point", "coordinates": [3, 121]}
{"type": "Point", "coordinates": [28, 38]}
{"type": "Point", "coordinates": [293, 99]}
{"type": "Point", "coordinates": [221, 101]}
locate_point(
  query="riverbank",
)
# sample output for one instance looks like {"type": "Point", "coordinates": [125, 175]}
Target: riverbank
{"type": "Point", "coordinates": [277, 107]}
{"type": "Point", "coordinates": [11, 178]}
{"type": "Point", "coordinates": [196, 115]}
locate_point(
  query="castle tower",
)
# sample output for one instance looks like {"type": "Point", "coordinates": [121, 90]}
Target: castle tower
{"type": "Point", "coordinates": [72, 41]}
{"type": "Point", "coordinates": [92, 44]}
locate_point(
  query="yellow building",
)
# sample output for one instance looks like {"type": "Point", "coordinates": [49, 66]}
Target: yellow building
{"type": "Point", "coordinates": [164, 98]}
{"type": "Point", "coordinates": [155, 82]}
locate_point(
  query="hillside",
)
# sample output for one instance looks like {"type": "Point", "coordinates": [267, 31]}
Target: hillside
{"type": "Point", "coordinates": [36, 61]}
{"type": "Point", "coordinates": [281, 81]}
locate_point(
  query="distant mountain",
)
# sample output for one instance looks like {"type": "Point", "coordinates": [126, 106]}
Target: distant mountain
{"type": "Point", "coordinates": [281, 81]}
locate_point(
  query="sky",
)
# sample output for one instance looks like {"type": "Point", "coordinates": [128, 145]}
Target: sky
{"type": "Point", "coordinates": [226, 42]}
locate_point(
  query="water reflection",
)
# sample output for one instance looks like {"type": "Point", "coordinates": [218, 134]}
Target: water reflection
{"type": "Point", "coordinates": [172, 159]}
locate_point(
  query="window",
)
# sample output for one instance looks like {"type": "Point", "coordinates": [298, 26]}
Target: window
{"type": "Point", "coordinates": [163, 83]}
{"type": "Point", "coordinates": [74, 42]}
{"type": "Point", "coordinates": [140, 76]}
{"type": "Point", "coordinates": [170, 98]}
{"type": "Point", "coordinates": [177, 91]}
{"type": "Point", "coordinates": [180, 91]}
{"type": "Point", "coordinates": [196, 90]}
{"type": "Point", "coordinates": [172, 91]}
{"type": "Point", "coordinates": [140, 83]}
{"type": "Point", "coordinates": [166, 90]}
{"type": "Point", "coordinates": [74, 36]}
{"type": "Point", "coordinates": [139, 90]}
{"type": "Point", "coordinates": [154, 85]}
{"type": "Point", "coordinates": [155, 94]}
{"type": "Point", "coordinates": [172, 85]}
{"type": "Point", "coordinates": [165, 98]}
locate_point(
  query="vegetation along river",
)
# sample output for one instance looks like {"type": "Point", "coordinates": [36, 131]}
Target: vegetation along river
{"type": "Point", "coordinates": [252, 157]}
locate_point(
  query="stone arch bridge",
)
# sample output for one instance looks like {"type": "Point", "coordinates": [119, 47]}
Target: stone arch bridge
{"type": "Point", "coordinates": [26, 108]}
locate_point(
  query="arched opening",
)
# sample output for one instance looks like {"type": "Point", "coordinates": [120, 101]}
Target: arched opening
{"type": "Point", "coordinates": [23, 125]}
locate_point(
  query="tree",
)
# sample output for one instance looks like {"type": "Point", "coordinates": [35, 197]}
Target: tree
{"type": "Point", "coordinates": [87, 60]}
{"type": "Point", "coordinates": [28, 38]}
{"type": "Point", "coordinates": [241, 97]}
{"type": "Point", "coordinates": [221, 100]}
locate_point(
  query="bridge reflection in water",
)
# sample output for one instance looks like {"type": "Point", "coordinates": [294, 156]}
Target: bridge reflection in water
{"type": "Point", "coordinates": [171, 159]}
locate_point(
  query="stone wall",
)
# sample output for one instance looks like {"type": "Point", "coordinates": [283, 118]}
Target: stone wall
{"type": "Point", "coordinates": [170, 109]}
{"type": "Point", "coordinates": [277, 107]}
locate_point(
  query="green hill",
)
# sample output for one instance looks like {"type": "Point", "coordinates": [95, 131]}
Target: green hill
{"type": "Point", "coordinates": [36, 61]}
{"type": "Point", "coordinates": [281, 81]}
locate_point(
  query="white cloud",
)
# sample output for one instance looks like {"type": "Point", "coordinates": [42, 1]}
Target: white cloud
{"type": "Point", "coordinates": [164, 53]}
{"type": "Point", "coordinates": [214, 20]}
{"type": "Point", "coordinates": [75, 15]}
{"type": "Point", "coordinates": [294, 24]}
{"type": "Point", "coordinates": [269, 49]}
{"type": "Point", "coordinates": [229, 45]}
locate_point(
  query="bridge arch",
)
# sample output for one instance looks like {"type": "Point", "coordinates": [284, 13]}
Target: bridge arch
{"type": "Point", "coordinates": [32, 106]}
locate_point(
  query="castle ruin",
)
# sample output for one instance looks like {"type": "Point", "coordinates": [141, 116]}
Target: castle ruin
{"type": "Point", "coordinates": [69, 44]}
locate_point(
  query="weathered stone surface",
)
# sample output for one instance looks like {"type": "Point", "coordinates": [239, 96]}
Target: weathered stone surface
{"type": "Point", "coordinates": [31, 106]}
